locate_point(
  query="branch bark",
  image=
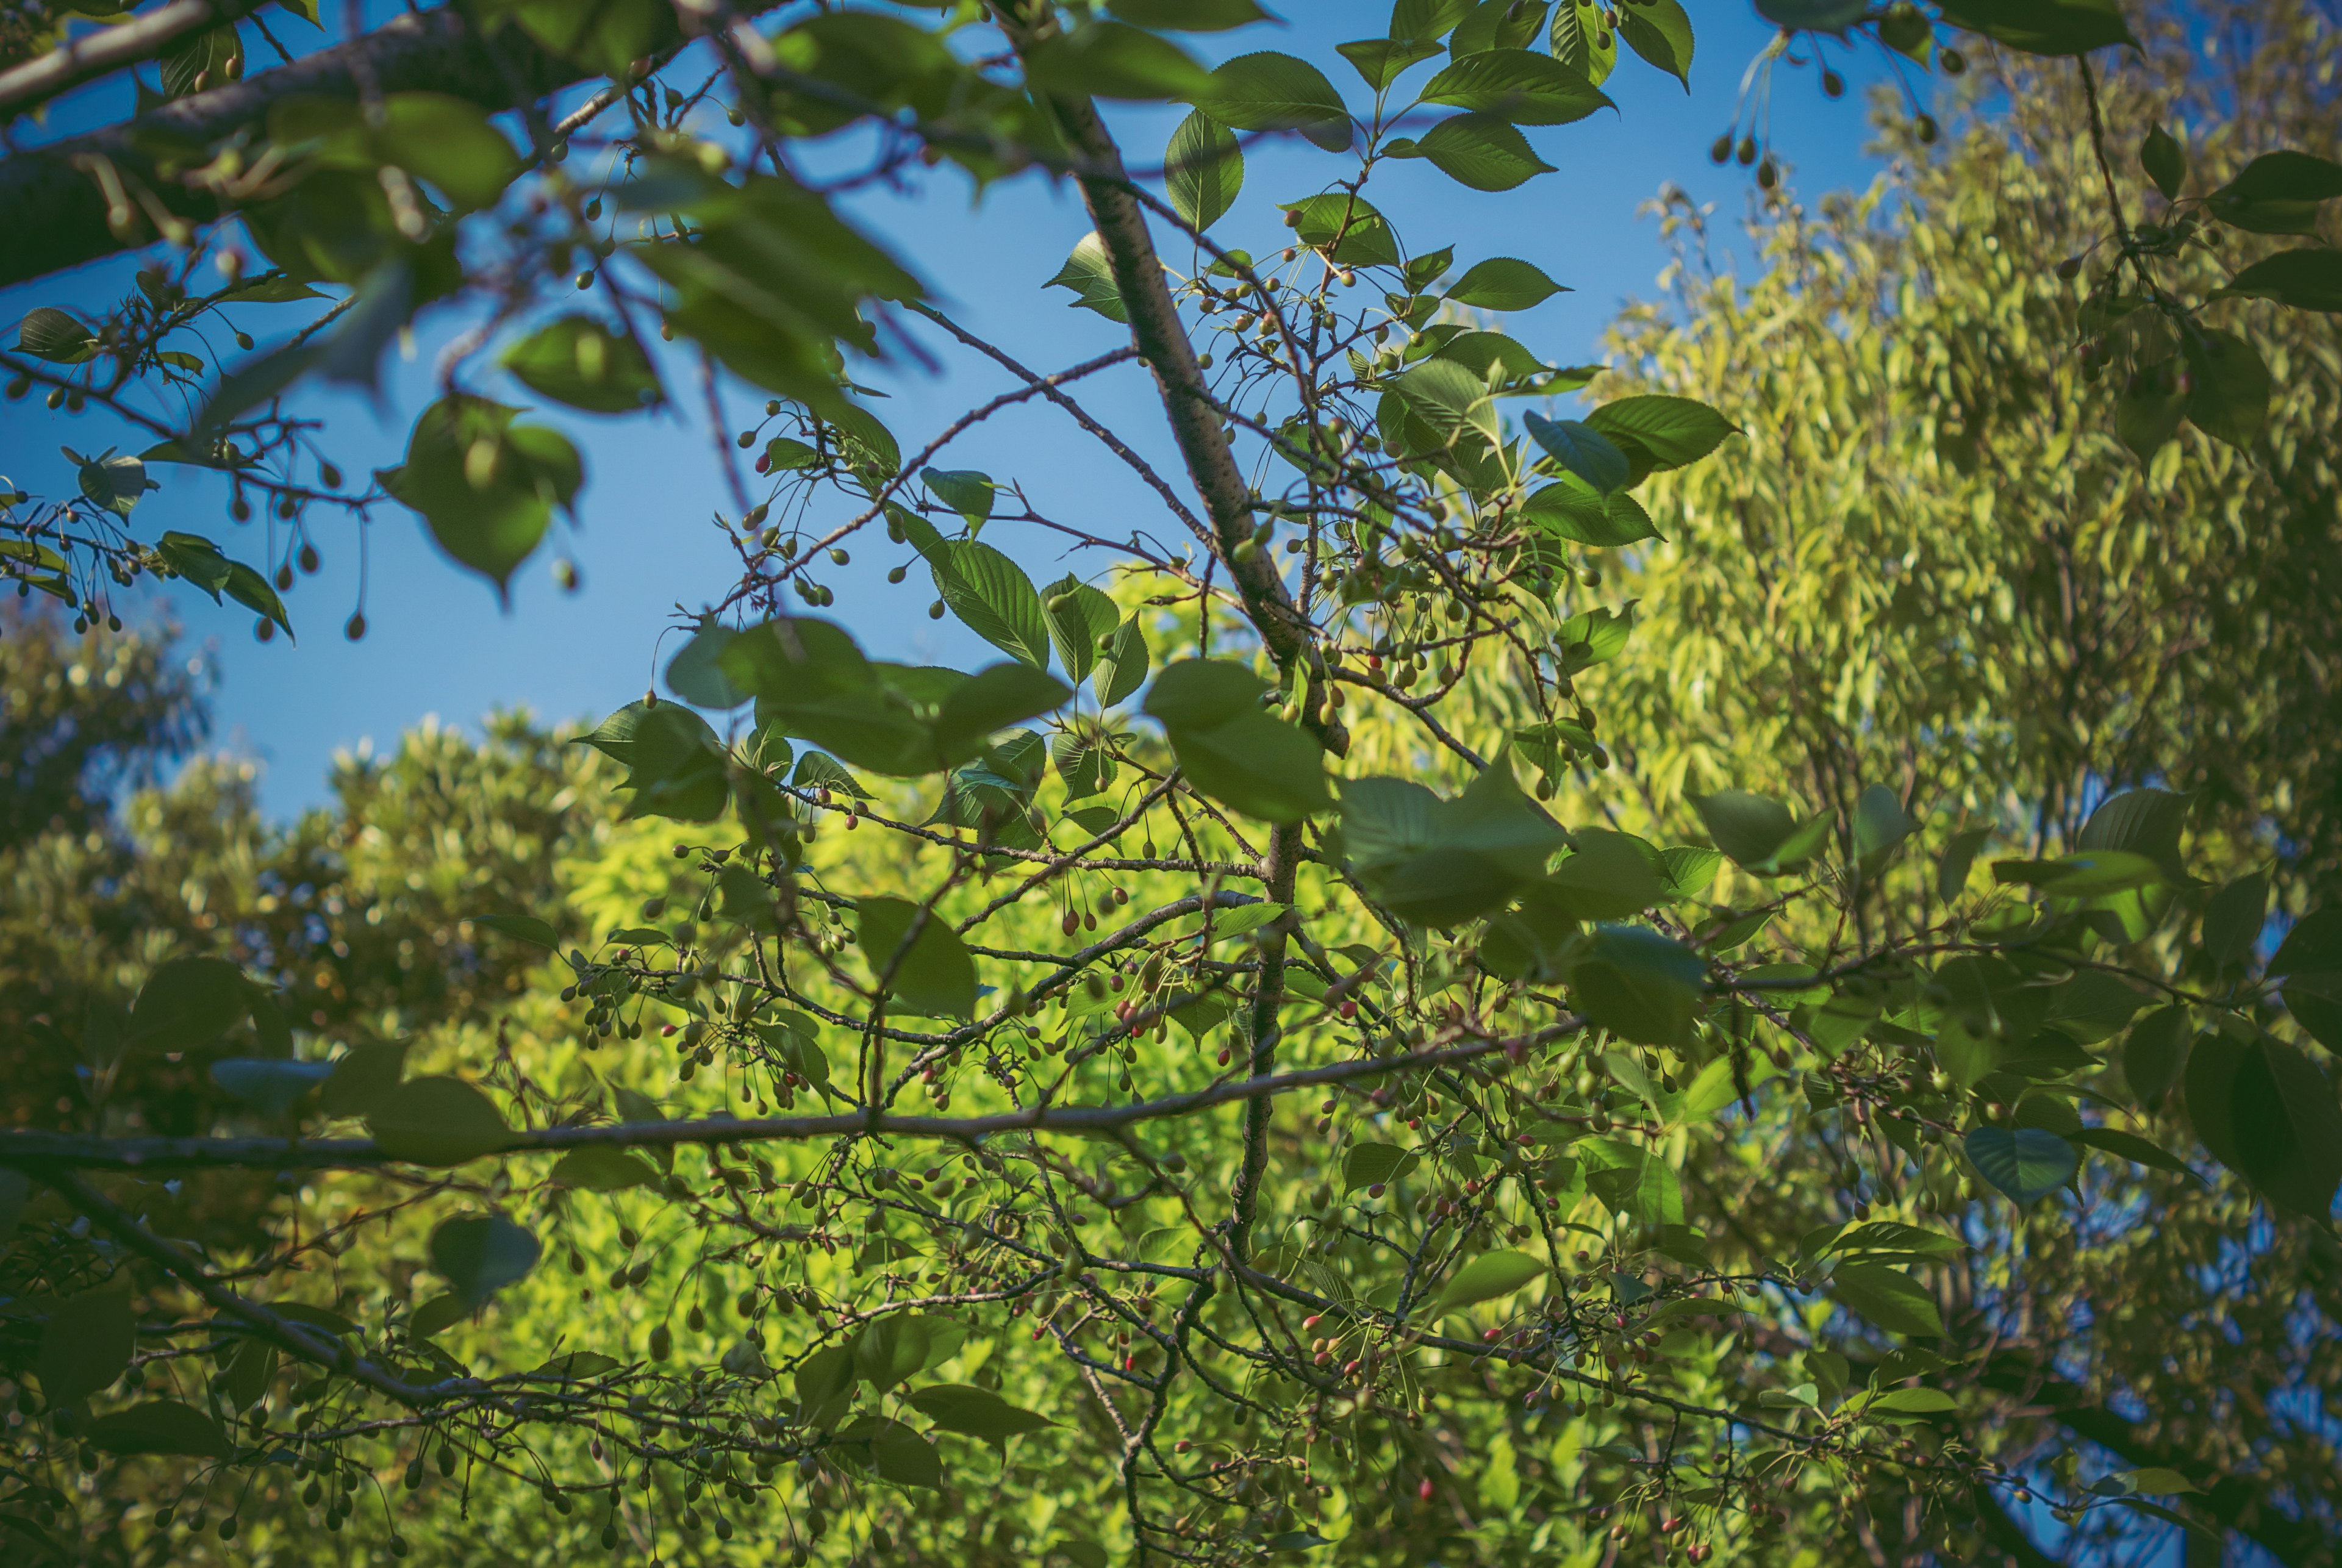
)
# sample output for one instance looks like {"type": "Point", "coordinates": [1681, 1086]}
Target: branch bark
{"type": "Point", "coordinates": [309, 1345]}
{"type": "Point", "coordinates": [1120, 221]}
{"type": "Point", "coordinates": [58, 217]}
{"type": "Point", "coordinates": [39, 1154]}
{"type": "Point", "coordinates": [97, 55]}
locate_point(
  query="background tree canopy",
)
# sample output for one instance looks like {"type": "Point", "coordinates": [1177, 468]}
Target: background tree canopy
{"type": "Point", "coordinates": [1738, 968]}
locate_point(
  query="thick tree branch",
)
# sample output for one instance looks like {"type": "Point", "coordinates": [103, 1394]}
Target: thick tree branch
{"type": "Point", "coordinates": [59, 215]}
{"type": "Point", "coordinates": [307, 1343]}
{"type": "Point", "coordinates": [1120, 220]}
{"type": "Point", "coordinates": [95, 54]}
{"type": "Point", "coordinates": [40, 1154]}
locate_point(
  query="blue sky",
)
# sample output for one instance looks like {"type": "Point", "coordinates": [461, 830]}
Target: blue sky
{"type": "Point", "coordinates": [438, 643]}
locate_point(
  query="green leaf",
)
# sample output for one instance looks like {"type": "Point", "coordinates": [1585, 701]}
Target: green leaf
{"type": "Point", "coordinates": [676, 765]}
{"type": "Point", "coordinates": [1525, 88]}
{"type": "Point", "coordinates": [88, 1344]}
{"type": "Point", "coordinates": [362, 1076]}
{"type": "Point", "coordinates": [1427, 21]}
{"type": "Point", "coordinates": [2304, 279]}
{"type": "Point", "coordinates": [1911, 1402]}
{"type": "Point", "coordinates": [696, 674]}
{"type": "Point", "coordinates": [2154, 1054]}
{"type": "Point", "coordinates": [989, 702]}
{"type": "Point", "coordinates": [1449, 401]}
{"type": "Point", "coordinates": [2268, 1112]}
{"type": "Point", "coordinates": [1260, 767]}
{"type": "Point", "coordinates": [2027, 1163]}
{"type": "Point", "coordinates": [2228, 385]}
{"type": "Point", "coordinates": [1268, 91]}
{"type": "Point", "coordinates": [1114, 60]}
{"type": "Point", "coordinates": [1482, 151]}
{"type": "Point", "coordinates": [1569, 510]}
{"type": "Point", "coordinates": [1660, 433]}
{"type": "Point", "coordinates": [438, 1120]}
{"type": "Point", "coordinates": [975, 1412]}
{"type": "Point", "coordinates": [2309, 960]}
{"type": "Point", "coordinates": [1375, 1164]}
{"type": "Point", "coordinates": [437, 1315]}
{"type": "Point", "coordinates": [992, 596]}
{"type": "Point", "coordinates": [449, 142]}
{"type": "Point", "coordinates": [2143, 822]}
{"type": "Point", "coordinates": [1881, 823]}
{"type": "Point", "coordinates": [1497, 25]}
{"type": "Point", "coordinates": [1813, 16]}
{"type": "Point", "coordinates": [1080, 618]}
{"type": "Point", "coordinates": [245, 1381]}
{"type": "Point", "coordinates": [2278, 194]}
{"type": "Point", "coordinates": [479, 1254]}
{"type": "Point", "coordinates": [1582, 39]}
{"type": "Point", "coordinates": [1611, 877]}
{"type": "Point", "coordinates": [1487, 1277]}
{"type": "Point", "coordinates": [486, 485]}
{"type": "Point", "coordinates": [811, 680]}
{"type": "Point", "coordinates": [159, 1426]}
{"type": "Point", "coordinates": [892, 1349]}
{"type": "Point", "coordinates": [270, 1085]}
{"type": "Point", "coordinates": [1439, 863]}
{"type": "Point", "coordinates": [1632, 1181]}
{"type": "Point", "coordinates": [1638, 985]}
{"type": "Point", "coordinates": [935, 978]}
{"type": "Point", "coordinates": [198, 61]}
{"type": "Point", "coordinates": [1232, 751]}
{"type": "Point", "coordinates": [1348, 228]}
{"type": "Point", "coordinates": [1502, 283]}
{"type": "Point", "coordinates": [250, 589]}
{"type": "Point", "coordinates": [1090, 274]}
{"type": "Point", "coordinates": [574, 1367]}
{"type": "Point", "coordinates": [1959, 857]}
{"type": "Point", "coordinates": [1379, 61]}
{"type": "Point", "coordinates": [2233, 920]}
{"type": "Point", "coordinates": [1890, 1237]}
{"type": "Point", "coordinates": [188, 1002]}
{"type": "Point", "coordinates": [1122, 666]}
{"type": "Point", "coordinates": [2093, 1005]}
{"type": "Point", "coordinates": [2130, 1146]}
{"type": "Point", "coordinates": [2084, 876]}
{"type": "Point", "coordinates": [2044, 26]}
{"type": "Point", "coordinates": [2150, 406]}
{"type": "Point", "coordinates": [521, 928]}
{"type": "Point", "coordinates": [598, 1168]}
{"type": "Point", "coordinates": [2165, 161]}
{"type": "Point", "coordinates": [1188, 16]}
{"type": "Point", "coordinates": [56, 335]}
{"type": "Point", "coordinates": [578, 361]}
{"type": "Point", "coordinates": [1582, 450]}
{"type": "Point", "coordinates": [903, 1456]}
{"type": "Point", "coordinates": [1202, 170]}
{"type": "Point", "coordinates": [1760, 834]}
{"type": "Point", "coordinates": [116, 483]}
{"type": "Point", "coordinates": [825, 1381]}
{"type": "Point", "coordinates": [965, 490]}
{"type": "Point", "coordinates": [1888, 1297]}
{"type": "Point", "coordinates": [1660, 33]}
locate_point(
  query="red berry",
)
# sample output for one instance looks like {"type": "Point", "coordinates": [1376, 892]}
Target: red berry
{"type": "Point", "coordinates": [1422, 1489]}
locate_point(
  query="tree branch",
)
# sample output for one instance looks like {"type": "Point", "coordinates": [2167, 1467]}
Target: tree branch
{"type": "Point", "coordinates": [310, 1344]}
{"type": "Point", "coordinates": [40, 1154]}
{"type": "Point", "coordinates": [95, 54]}
{"type": "Point", "coordinates": [58, 215]}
